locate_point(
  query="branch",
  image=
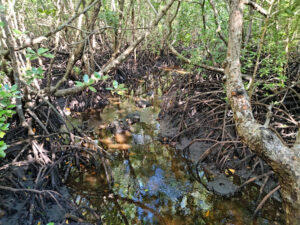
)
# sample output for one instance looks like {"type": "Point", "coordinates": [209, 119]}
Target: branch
{"type": "Point", "coordinates": [216, 14]}
{"type": "Point", "coordinates": [152, 7]}
{"type": "Point", "coordinates": [188, 61]}
{"type": "Point", "coordinates": [116, 62]}
{"type": "Point", "coordinates": [257, 7]}
{"type": "Point", "coordinates": [251, 86]}
{"type": "Point", "coordinates": [29, 42]}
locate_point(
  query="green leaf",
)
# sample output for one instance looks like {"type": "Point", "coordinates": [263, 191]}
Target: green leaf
{"type": "Point", "coordinates": [76, 69]}
{"type": "Point", "coordinates": [51, 223]}
{"type": "Point", "coordinates": [14, 87]}
{"type": "Point", "coordinates": [32, 57]}
{"type": "Point", "coordinates": [2, 134]}
{"type": "Point", "coordinates": [97, 75]}
{"type": "Point", "coordinates": [2, 154]}
{"type": "Point", "coordinates": [86, 78]}
{"type": "Point", "coordinates": [17, 32]}
{"type": "Point", "coordinates": [92, 89]}
{"type": "Point", "coordinates": [49, 55]}
{"type": "Point", "coordinates": [3, 146]}
{"type": "Point", "coordinates": [78, 83]}
{"type": "Point", "coordinates": [105, 77]}
{"type": "Point", "coordinates": [120, 92]}
{"type": "Point", "coordinates": [115, 84]}
{"type": "Point", "coordinates": [29, 50]}
{"type": "Point", "coordinates": [91, 81]}
{"type": "Point", "coordinates": [109, 89]}
{"type": "Point", "coordinates": [11, 106]}
{"type": "Point", "coordinates": [39, 71]}
{"type": "Point", "coordinates": [40, 51]}
{"type": "Point", "coordinates": [1, 24]}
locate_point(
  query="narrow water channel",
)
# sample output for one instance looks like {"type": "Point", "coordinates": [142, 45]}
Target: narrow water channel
{"type": "Point", "coordinates": [152, 183]}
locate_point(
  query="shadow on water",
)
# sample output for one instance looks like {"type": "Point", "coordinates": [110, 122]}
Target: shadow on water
{"type": "Point", "coordinates": [152, 183]}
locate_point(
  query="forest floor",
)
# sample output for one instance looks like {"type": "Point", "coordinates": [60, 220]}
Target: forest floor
{"type": "Point", "coordinates": [195, 119]}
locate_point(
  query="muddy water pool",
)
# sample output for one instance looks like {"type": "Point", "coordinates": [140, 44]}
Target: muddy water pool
{"type": "Point", "coordinates": [152, 181]}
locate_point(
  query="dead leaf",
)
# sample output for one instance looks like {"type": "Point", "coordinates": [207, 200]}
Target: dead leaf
{"type": "Point", "coordinates": [119, 146]}
{"type": "Point", "coordinates": [120, 138]}
{"type": "Point", "coordinates": [106, 141]}
{"type": "Point", "coordinates": [207, 214]}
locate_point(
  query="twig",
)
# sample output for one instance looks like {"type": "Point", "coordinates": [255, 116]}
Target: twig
{"type": "Point", "coordinates": [264, 200]}
{"type": "Point", "coordinates": [255, 178]}
{"type": "Point", "coordinates": [28, 190]}
{"type": "Point", "coordinates": [37, 120]}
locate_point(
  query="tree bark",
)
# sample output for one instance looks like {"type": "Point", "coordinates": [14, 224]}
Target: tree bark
{"type": "Point", "coordinates": [284, 161]}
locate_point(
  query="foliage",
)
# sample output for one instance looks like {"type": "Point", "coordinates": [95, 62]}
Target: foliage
{"type": "Point", "coordinates": [33, 73]}
{"type": "Point", "coordinates": [7, 94]}
{"type": "Point", "coordinates": [117, 88]}
{"type": "Point", "coordinates": [88, 81]}
{"type": "Point", "coordinates": [41, 52]}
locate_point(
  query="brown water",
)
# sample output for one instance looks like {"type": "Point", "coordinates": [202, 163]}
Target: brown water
{"type": "Point", "coordinates": [153, 185]}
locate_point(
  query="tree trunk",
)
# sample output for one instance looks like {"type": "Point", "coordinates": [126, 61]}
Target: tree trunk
{"type": "Point", "coordinates": [284, 161]}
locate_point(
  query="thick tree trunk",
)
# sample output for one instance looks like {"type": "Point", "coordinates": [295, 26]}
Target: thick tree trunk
{"type": "Point", "coordinates": [283, 160]}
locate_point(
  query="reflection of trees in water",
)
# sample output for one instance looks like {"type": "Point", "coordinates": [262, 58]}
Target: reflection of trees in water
{"type": "Point", "coordinates": [157, 179]}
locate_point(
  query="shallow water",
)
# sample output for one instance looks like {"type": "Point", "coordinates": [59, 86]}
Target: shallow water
{"type": "Point", "coordinates": [152, 182]}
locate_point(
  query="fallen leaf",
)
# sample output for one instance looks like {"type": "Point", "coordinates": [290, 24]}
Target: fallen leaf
{"type": "Point", "coordinates": [106, 141]}
{"type": "Point", "coordinates": [207, 214]}
{"type": "Point", "coordinates": [128, 133]}
{"type": "Point", "coordinates": [120, 138]}
{"type": "Point", "coordinates": [229, 171]}
{"type": "Point", "coordinates": [119, 146]}
{"type": "Point", "coordinates": [232, 171]}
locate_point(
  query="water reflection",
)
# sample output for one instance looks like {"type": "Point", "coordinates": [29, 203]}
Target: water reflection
{"type": "Point", "coordinates": [152, 184]}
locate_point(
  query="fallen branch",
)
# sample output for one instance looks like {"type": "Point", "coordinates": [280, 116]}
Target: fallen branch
{"type": "Point", "coordinates": [188, 61]}
{"type": "Point", "coordinates": [265, 199]}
